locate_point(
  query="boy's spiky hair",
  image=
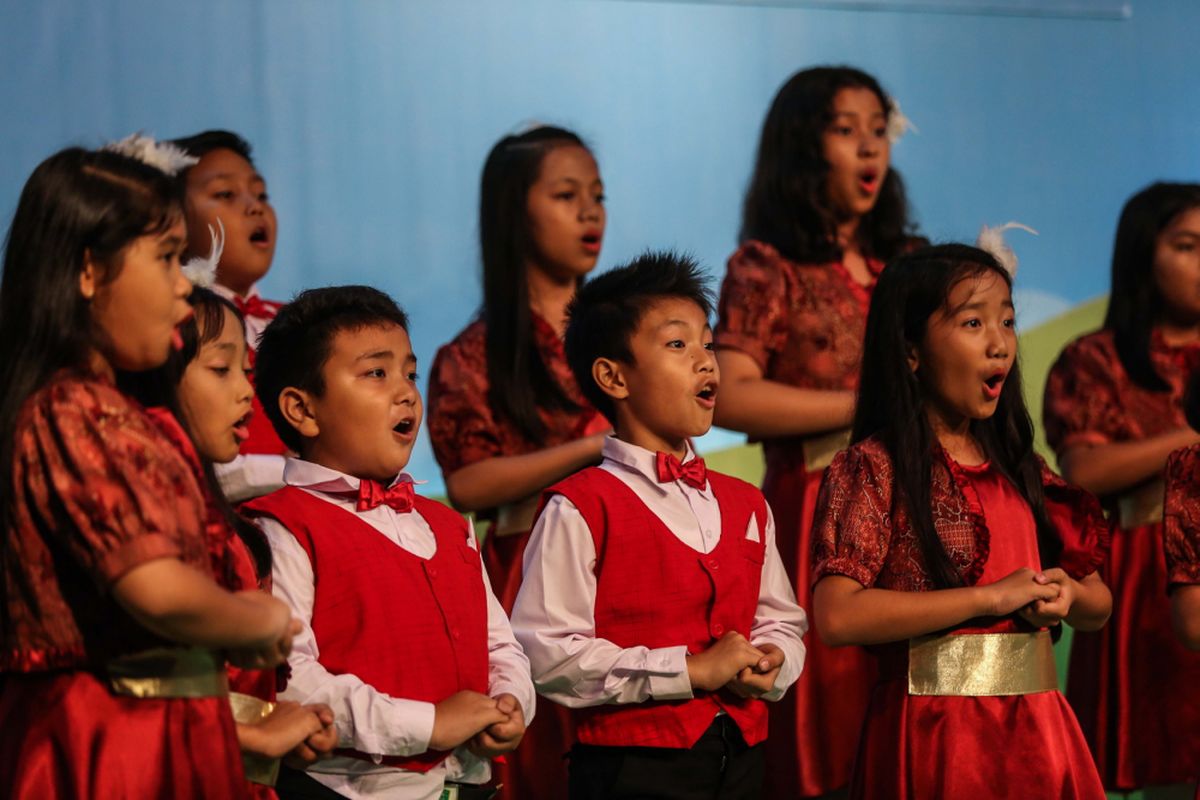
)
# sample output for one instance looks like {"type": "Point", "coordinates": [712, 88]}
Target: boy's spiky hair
{"type": "Point", "coordinates": [607, 309]}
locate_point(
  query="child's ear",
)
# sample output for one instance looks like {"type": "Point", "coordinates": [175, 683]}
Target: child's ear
{"type": "Point", "coordinates": [609, 376]}
{"type": "Point", "coordinates": [913, 361]}
{"type": "Point", "coordinates": [297, 408]}
{"type": "Point", "coordinates": [89, 276]}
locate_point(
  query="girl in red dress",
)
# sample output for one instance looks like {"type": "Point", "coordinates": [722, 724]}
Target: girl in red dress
{"type": "Point", "coordinates": [943, 543]}
{"type": "Point", "coordinates": [1113, 413]}
{"type": "Point", "coordinates": [1181, 534]}
{"type": "Point", "coordinates": [110, 680]}
{"type": "Point", "coordinates": [506, 417]}
{"type": "Point", "coordinates": [204, 386]}
{"type": "Point", "coordinates": [823, 212]}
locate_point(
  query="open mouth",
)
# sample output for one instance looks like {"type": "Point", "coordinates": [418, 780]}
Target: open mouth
{"type": "Point", "coordinates": [591, 241]}
{"type": "Point", "coordinates": [993, 384]}
{"type": "Point", "coordinates": [260, 235]}
{"type": "Point", "coordinates": [404, 427]}
{"type": "Point", "coordinates": [868, 180]}
{"type": "Point", "coordinates": [241, 428]}
{"type": "Point", "coordinates": [707, 395]}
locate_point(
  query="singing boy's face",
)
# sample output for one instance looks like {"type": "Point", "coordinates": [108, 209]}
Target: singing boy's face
{"type": "Point", "coordinates": [365, 421]}
{"type": "Point", "coordinates": [668, 393]}
{"type": "Point", "coordinates": [224, 186]}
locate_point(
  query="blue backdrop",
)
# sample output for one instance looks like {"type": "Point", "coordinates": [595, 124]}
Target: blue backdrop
{"type": "Point", "coordinates": [371, 119]}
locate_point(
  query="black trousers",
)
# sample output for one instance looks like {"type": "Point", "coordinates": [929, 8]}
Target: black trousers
{"type": "Point", "coordinates": [720, 766]}
{"type": "Point", "coordinates": [296, 785]}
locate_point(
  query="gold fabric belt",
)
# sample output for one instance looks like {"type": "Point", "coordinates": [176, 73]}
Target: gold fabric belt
{"type": "Point", "coordinates": [819, 450]}
{"type": "Point", "coordinates": [516, 517]}
{"type": "Point", "coordinates": [981, 664]}
{"type": "Point", "coordinates": [1141, 506]}
{"type": "Point", "coordinates": [250, 710]}
{"type": "Point", "coordinates": [169, 672]}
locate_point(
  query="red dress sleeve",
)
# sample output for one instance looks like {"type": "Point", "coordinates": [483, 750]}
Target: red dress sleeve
{"type": "Point", "coordinates": [462, 428]}
{"type": "Point", "coordinates": [753, 306]}
{"type": "Point", "coordinates": [852, 524]}
{"type": "Point", "coordinates": [1079, 519]}
{"type": "Point", "coordinates": [1181, 517]}
{"type": "Point", "coordinates": [1081, 402]}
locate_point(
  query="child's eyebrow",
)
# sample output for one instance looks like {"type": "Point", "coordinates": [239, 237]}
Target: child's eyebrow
{"type": "Point", "coordinates": [171, 241]}
{"type": "Point", "coordinates": [230, 346]}
{"type": "Point", "coordinates": [854, 114]}
{"type": "Point", "coordinates": [376, 354]}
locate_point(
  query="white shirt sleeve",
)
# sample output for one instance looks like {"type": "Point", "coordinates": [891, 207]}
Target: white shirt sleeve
{"type": "Point", "coordinates": [554, 620]}
{"type": "Point", "coordinates": [250, 476]}
{"type": "Point", "coordinates": [778, 620]}
{"type": "Point", "coordinates": [508, 667]}
{"type": "Point", "coordinates": [366, 719]}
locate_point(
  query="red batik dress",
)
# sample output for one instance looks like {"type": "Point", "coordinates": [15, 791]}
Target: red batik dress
{"type": "Point", "coordinates": [1181, 529]}
{"type": "Point", "coordinates": [1134, 687]}
{"type": "Point", "coordinates": [236, 570]}
{"type": "Point", "coordinates": [464, 428]}
{"type": "Point", "coordinates": [803, 324]}
{"type": "Point", "coordinates": [98, 490]}
{"type": "Point", "coordinates": [916, 745]}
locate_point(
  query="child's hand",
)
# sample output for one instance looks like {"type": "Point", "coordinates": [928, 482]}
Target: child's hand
{"type": "Point", "coordinates": [286, 727]}
{"type": "Point", "coordinates": [317, 746]}
{"type": "Point", "coordinates": [720, 663]}
{"type": "Point", "coordinates": [1016, 591]}
{"type": "Point", "coordinates": [500, 737]}
{"type": "Point", "coordinates": [759, 679]}
{"type": "Point", "coordinates": [274, 653]}
{"type": "Point", "coordinates": [462, 715]}
{"type": "Point", "coordinates": [1046, 613]}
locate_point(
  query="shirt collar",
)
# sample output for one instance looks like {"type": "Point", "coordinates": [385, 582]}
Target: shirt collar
{"type": "Point", "coordinates": [310, 475]}
{"type": "Point", "coordinates": [230, 294]}
{"type": "Point", "coordinates": [638, 460]}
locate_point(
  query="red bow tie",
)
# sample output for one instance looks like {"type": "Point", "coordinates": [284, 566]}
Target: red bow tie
{"type": "Point", "coordinates": [693, 473]}
{"type": "Point", "coordinates": [252, 306]}
{"type": "Point", "coordinates": [372, 494]}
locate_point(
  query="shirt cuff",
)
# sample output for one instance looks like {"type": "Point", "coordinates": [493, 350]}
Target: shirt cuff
{"type": "Point", "coordinates": [669, 673]}
{"type": "Point", "coordinates": [417, 727]}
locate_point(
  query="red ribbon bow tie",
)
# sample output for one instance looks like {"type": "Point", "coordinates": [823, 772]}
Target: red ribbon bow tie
{"type": "Point", "coordinates": [398, 497]}
{"type": "Point", "coordinates": [252, 306]}
{"type": "Point", "coordinates": [693, 473]}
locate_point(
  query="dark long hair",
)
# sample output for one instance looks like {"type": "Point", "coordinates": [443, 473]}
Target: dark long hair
{"type": "Point", "coordinates": [518, 381]}
{"type": "Point", "coordinates": [1135, 304]}
{"type": "Point", "coordinates": [891, 399]}
{"type": "Point", "coordinates": [786, 204]}
{"type": "Point", "coordinates": [77, 204]}
{"type": "Point", "coordinates": [160, 387]}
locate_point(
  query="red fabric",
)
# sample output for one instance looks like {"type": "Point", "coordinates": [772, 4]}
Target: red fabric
{"type": "Point", "coordinates": [804, 325]}
{"type": "Point", "coordinates": [1132, 684]}
{"type": "Point", "coordinates": [410, 627]}
{"type": "Point", "coordinates": [654, 591]}
{"type": "Point", "coordinates": [464, 428]}
{"type": "Point", "coordinates": [693, 473]}
{"type": "Point", "coordinates": [1182, 517]}
{"type": "Point", "coordinates": [917, 747]}
{"type": "Point", "coordinates": [263, 440]}
{"type": "Point", "coordinates": [372, 494]}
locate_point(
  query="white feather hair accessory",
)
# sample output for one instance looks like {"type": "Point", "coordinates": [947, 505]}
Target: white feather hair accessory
{"type": "Point", "coordinates": [898, 124]}
{"type": "Point", "coordinates": [163, 156]}
{"type": "Point", "coordinates": [992, 240]}
{"type": "Point", "coordinates": [202, 271]}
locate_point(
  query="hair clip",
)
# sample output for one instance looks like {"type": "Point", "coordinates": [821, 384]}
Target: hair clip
{"type": "Point", "coordinates": [992, 241]}
{"type": "Point", "coordinates": [202, 271]}
{"type": "Point", "coordinates": [163, 156]}
{"type": "Point", "coordinates": [897, 123]}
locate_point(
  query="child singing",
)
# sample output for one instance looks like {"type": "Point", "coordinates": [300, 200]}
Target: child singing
{"type": "Point", "coordinates": [943, 543]}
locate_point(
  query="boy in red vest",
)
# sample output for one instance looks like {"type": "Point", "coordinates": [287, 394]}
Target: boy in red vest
{"type": "Point", "coordinates": [654, 600]}
{"type": "Point", "coordinates": [224, 191]}
{"type": "Point", "coordinates": [401, 636]}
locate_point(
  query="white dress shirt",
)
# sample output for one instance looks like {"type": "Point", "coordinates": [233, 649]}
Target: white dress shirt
{"type": "Point", "coordinates": [554, 617]}
{"type": "Point", "coordinates": [369, 720]}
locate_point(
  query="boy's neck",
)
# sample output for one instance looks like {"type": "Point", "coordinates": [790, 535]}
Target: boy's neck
{"type": "Point", "coordinates": [631, 432]}
{"type": "Point", "coordinates": [313, 454]}
{"type": "Point", "coordinates": [240, 290]}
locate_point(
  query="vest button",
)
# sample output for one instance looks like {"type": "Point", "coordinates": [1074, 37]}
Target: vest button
{"type": "Point", "coordinates": [454, 633]}
{"type": "Point", "coordinates": [718, 630]}
{"type": "Point", "coordinates": [713, 563]}
{"type": "Point", "coordinates": [433, 572]}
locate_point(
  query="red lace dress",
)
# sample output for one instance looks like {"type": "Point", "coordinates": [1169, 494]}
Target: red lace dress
{"type": "Point", "coordinates": [1181, 534]}
{"type": "Point", "coordinates": [803, 324]}
{"type": "Point", "coordinates": [97, 490]}
{"type": "Point", "coordinates": [1132, 684]}
{"type": "Point", "coordinates": [913, 747]}
{"type": "Point", "coordinates": [464, 428]}
{"type": "Point", "coordinates": [234, 568]}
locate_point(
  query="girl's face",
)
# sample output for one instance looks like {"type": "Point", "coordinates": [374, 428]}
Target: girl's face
{"type": "Point", "coordinates": [215, 394]}
{"type": "Point", "coordinates": [224, 186]}
{"type": "Point", "coordinates": [968, 350]}
{"type": "Point", "coordinates": [856, 146]}
{"type": "Point", "coordinates": [566, 213]}
{"type": "Point", "coordinates": [134, 315]}
{"type": "Point", "coordinates": [1177, 267]}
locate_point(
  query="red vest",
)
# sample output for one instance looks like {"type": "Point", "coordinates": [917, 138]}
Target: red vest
{"type": "Point", "coordinates": [652, 590]}
{"type": "Point", "coordinates": [409, 627]}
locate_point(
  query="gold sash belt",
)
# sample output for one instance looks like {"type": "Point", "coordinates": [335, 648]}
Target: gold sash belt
{"type": "Point", "coordinates": [1141, 506]}
{"type": "Point", "coordinates": [248, 710]}
{"type": "Point", "coordinates": [819, 450]}
{"type": "Point", "coordinates": [169, 672]}
{"type": "Point", "coordinates": [981, 664]}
